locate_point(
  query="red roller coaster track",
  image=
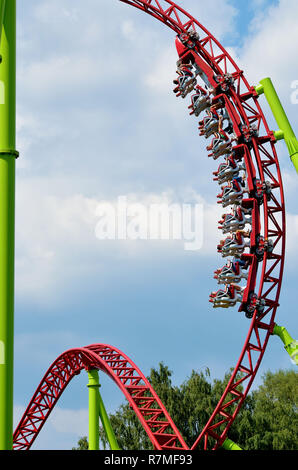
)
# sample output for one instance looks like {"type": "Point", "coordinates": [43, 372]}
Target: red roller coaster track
{"type": "Point", "coordinates": [268, 223]}
{"type": "Point", "coordinates": [133, 384]}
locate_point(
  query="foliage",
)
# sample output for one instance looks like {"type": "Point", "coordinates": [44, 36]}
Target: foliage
{"type": "Point", "coordinates": [275, 418]}
{"type": "Point", "coordinates": [82, 444]}
{"type": "Point", "coordinates": [267, 421]}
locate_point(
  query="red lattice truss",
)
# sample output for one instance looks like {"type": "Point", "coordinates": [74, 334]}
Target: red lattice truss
{"type": "Point", "coordinates": [133, 384]}
{"type": "Point", "coordinates": [261, 163]}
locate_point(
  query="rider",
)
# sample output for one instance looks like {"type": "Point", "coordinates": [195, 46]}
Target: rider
{"type": "Point", "coordinates": [236, 237]}
{"type": "Point", "coordinates": [233, 290]}
{"type": "Point", "coordinates": [213, 115]}
{"type": "Point", "coordinates": [200, 100]}
{"type": "Point", "coordinates": [237, 264]}
{"type": "Point", "coordinates": [225, 297]}
{"type": "Point", "coordinates": [220, 137]}
{"type": "Point", "coordinates": [184, 71]}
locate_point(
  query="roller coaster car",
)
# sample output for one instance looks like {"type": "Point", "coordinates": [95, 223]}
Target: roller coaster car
{"type": "Point", "coordinates": [190, 39]}
{"type": "Point", "coordinates": [200, 101]}
{"type": "Point", "coordinates": [229, 170]}
{"type": "Point", "coordinates": [220, 145]}
{"type": "Point", "coordinates": [232, 272]}
{"type": "Point", "coordinates": [228, 297]}
{"type": "Point", "coordinates": [225, 82]}
{"type": "Point", "coordinates": [250, 301]}
{"type": "Point", "coordinates": [186, 80]}
{"type": "Point", "coordinates": [263, 246]}
{"type": "Point", "coordinates": [262, 189]}
{"type": "Point", "coordinates": [213, 123]}
{"type": "Point", "coordinates": [252, 205]}
{"type": "Point", "coordinates": [254, 303]}
{"type": "Point", "coordinates": [233, 192]}
{"type": "Point", "coordinates": [234, 245]}
{"type": "Point", "coordinates": [235, 221]}
{"type": "Point", "coordinates": [208, 126]}
{"type": "Point", "coordinates": [249, 133]}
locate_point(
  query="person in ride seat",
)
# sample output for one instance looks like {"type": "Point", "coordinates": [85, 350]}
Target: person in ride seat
{"type": "Point", "coordinates": [221, 138]}
{"type": "Point", "coordinates": [228, 297]}
{"type": "Point", "coordinates": [233, 290]}
{"type": "Point", "coordinates": [185, 75]}
{"type": "Point", "coordinates": [236, 239]}
{"type": "Point", "coordinates": [213, 116]}
{"type": "Point", "coordinates": [238, 183]}
{"type": "Point", "coordinates": [240, 234]}
{"type": "Point", "coordinates": [236, 214]}
{"type": "Point", "coordinates": [230, 159]}
{"type": "Point", "coordinates": [212, 113]}
{"type": "Point", "coordinates": [200, 101]}
{"type": "Point", "coordinates": [184, 70]}
{"type": "Point", "coordinates": [232, 191]}
{"type": "Point", "coordinates": [228, 170]}
{"type": "Point", "coordinates": [238, 264]}
{"type": "Point", "coordinates": [201, 91]}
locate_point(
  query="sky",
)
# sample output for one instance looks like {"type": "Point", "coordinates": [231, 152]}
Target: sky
{"type": "Point", "coordinates": [96, 120]}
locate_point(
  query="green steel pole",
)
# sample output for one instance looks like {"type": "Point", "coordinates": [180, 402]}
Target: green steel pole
{"type": "Point", "coordinates": [97, 410]}
{"type": "Point", "coordinates": [2, 11]}
{"type": "Point", "coordinates": [7, 217]}
{"type": "Point", "coordinates": [107, 425]}
{"type": "Point", "coordinates": [230, 445]}
{"type": "Point", "coordinates": [285, 129]}
{"type": "Point", "coordinates": [93, 386]}
{"type": "Point", "coordinates": [291, 346]}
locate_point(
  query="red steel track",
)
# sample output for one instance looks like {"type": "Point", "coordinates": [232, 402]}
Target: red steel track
{"type": "Point", "coordinates": [265, 274]}
{"type": "Point", "coordinates": [132, 383]}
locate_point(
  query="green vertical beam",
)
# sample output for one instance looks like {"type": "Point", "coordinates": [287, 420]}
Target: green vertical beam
{"type": "Point", "coordinates": [93, 386]}
{"type": "Point", "coordinates": [107, 425]}
{"type": "Point", "coordinates": [2, 11]}
{"type": "Point", "coordinates": [291, 346]}
{"type": "Point", "coordinates": [230, 445]}
{"type": "Point", "coordinates": [285, 129]}
{"type": "Point", "coordinates": [7, 216]}
{"type": "Point", "coordinates": [97, 410]}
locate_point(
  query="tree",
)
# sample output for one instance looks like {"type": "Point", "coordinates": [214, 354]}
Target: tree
{"type": "Point", "coordinates": [267, 421]}
{"type": "Point", "coordinates": [274, 415]}
{"type": "Point", "coordinates": [82, 444]}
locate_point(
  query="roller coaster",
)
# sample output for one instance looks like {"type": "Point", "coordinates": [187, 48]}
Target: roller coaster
{"type": "Point", "coordinates": [254, 227]}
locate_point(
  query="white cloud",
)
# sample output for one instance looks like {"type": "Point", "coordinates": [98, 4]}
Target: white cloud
{"type": "Point", "coordinates": [271, 46]}
{"type": "Point", "coordinates": [70, 421]}
{"type": "Point", "coordinates": [56, 238]}
{"type": "Point", "coordinates": [218, 16]}
{"type": "Point", "coordinates": [163, 71]}
{"type": "Point", "coordinates": [54, 227]}
{"type": "Point", "coordinates": [292, 236]}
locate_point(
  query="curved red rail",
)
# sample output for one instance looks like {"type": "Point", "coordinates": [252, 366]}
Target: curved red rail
{"type": "Point", "coordinates": [152, 414]}
{"type": "Point", "coordinates": [262, 165]}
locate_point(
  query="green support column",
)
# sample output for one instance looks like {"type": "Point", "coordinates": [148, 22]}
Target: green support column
{"type": "Point", "coordinates": [93, 386]}
{"type": "Point", "coordinates": [230, 445]}
{"type": "Point", "coordinates": [2, 11]}
{"type": "Point", "coordinates": [107, 425]}
{"type": "Point", "coordinates": [97, 410]}
{"type": "Point", "coordinates": [285, 129]}
{"type": "Point", "coordinates": [291, 346]}
{"type": "Point", "coordinates": [7, 215]}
